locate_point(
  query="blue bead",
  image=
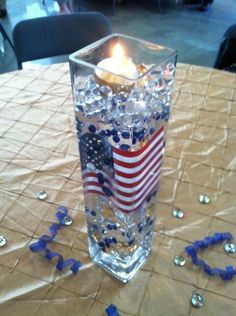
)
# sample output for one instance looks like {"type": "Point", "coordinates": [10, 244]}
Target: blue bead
{"type": "Point", "coordinates": [114, 226]}
{"type": "Point", "coordinates": [93, 213]}
{"type": "Point", "coordinates": [131, 242]}
{"type": "Point", "coordinates": [152, 130]}
{"type": "Point", "coordinates": [109, 226]}
{"type": "Point", "coordinates": [116, 138]}
{"type": "Point", "coordinates": [95, 226]}
{"type": "Point", "coordinates": [108, 132]}
{"type": "Point", "coordinates": [140, 229]}
{"type": "Point", "coordinates": [107, 242]}
{"type": "Point", "coordinates": [103, 133]}
{"type": "Point", "coordinates": [124, 147]}
{"type": "Point", "coordinates": [158, 116]}
{"type": "Point", "coordinates": [141, 136]}
{"type": "Point", "coordinates": [134, 140]}
{"type": "Point", "coordinates": [100, 178]}
{"type": "Point", "coordinates": [101, 244]}
{"type": "Point", "coordinates": [92, 128]}
{"type": "Point", "coordinates": [114, 132]}
{"type": "Point", "coordinates": [125, 135]}
{"type": "Point", "coordinates": [107, 191]}
{"type": "Point", "coordinates": [114, 240]}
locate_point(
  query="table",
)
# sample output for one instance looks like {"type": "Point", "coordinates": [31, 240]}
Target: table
{"type": "Point", "coordinates": [38, 151]}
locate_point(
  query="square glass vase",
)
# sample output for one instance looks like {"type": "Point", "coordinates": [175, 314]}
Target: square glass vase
{"type": "Point", "coordinates": [122, 89]}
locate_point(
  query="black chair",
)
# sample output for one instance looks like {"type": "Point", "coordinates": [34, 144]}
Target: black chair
{"type": "Point", "coordinates": [226, 57]}
{"type": "Point", "coordinates": [57, 35]}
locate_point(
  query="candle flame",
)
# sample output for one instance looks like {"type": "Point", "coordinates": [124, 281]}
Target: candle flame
{"type": "Point", "coordinates": [118, 51]}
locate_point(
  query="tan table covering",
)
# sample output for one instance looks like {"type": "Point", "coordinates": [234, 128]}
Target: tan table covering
{"type": "Point", "coordinates": [38, 151]}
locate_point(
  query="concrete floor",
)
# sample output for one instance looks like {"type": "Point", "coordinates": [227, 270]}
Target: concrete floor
{"type": "Point", "coordinates": [195, 35]}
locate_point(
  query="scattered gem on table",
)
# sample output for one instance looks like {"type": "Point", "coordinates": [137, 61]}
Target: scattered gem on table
{"type": "Point", "coordinates": [177, 213]}
{"type": "Point", "coordinates": [179, 261]}
{"type": "Point", "coordinates": [204, 199]}
{"type": "Point", "coordinates": [111, 310]}
{"type": "Point", "coordinates": [3, 241]}
{"type": "Point", "coordinates": [230, 248]}
{"type": "Point", "coordinates": [41, 195]}
{"type": "Point", "coordinates": [197, 300]}
{"type": "Point", "coordinates": [67, 221]}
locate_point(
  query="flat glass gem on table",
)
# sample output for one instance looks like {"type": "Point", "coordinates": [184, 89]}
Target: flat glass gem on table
{"type": "Point", "coordinates": [230, 248]}
{"type": "Point", "coordinates": [41, 195]}
{"type": "Point", "coordinates": [121, 118]}
{"type": "Point", "coordinates": [197, 300]}
{"type": "Point", "coordinates": [3, 241]}
{"type": "Point", "coordinates": [179, 261]}
{"type": "Point", "coordinates": [176, 212]}
{"type": "Point", "coordinates": [67, 221]}
{"type": "Point", "coordinates": [204, 199]}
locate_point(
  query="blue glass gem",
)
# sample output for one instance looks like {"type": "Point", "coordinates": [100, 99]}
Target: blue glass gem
{"type": "Point", "coordinates": [125, 135]}
{"type": "Point", "coordinates": [93, 213]}
{"type": "Point", "coordinates": [102, 133]}
{"type": "Point", "coordinates": [130, 242]}
{"type": "Point", "coordinates": [114, 240]}
{"type": "Point", "coordinates": [109, 227]}
{"type": "Point", "coordinates": [107, 191]}
{"type": "Point", "coordinates": [114, 226]}
{"type": "Point", "coordinates": [114, 132]}
{"type": "Point", "coordinates": [134, 140]}
{"type": "Point", "coordinates": [108, 132]}
{"type": "Point", "coordinates": [116, 138]}
{"type": "Point", "coordinates": [124, 147]}
{"type": "Point", "coordinates": [92, 128]}
{"type": "Point", "coordinates": [100, 177]}
{"type": "Point", "coordinates": [152, 130]}
{"type": "Point", "coordinates": [107, 242]}
{"type": "Point", "coordinates": [101, 244]}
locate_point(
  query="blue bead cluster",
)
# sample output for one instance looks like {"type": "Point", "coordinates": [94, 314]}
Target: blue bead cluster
{"type": "Point", "coordinates": [108, 241]}
{"type": "Point", "coordinates": [41, 244]}
{"type": "Point", "coordinates": [193, 249]}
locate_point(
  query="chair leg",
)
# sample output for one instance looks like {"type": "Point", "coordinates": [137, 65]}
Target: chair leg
{"type": "Point", "coordinates": [6, 37]}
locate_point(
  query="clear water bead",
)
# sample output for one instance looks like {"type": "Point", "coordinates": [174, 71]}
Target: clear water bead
{"type": "Point", "coordinates": [41, 195]}
{"type": "Point", "coordinates": [197, 300]}
{"type": "Point", "coordinates": [91, 166]}
{"type": "Point", "coordinates": [230, 248]}
{"type": "Point", "coordinates": [177, 213]}
{"type": "Point", "coordinates": [204, 199]}
{"type": "Point", "coordinates": [3, 241]}
{"type": "Point", "coordinates": [67, 221]}
{"type": "Point", "coordinates": [179, 261]}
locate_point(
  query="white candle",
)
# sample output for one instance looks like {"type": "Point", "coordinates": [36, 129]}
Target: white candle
{"type": "Point", "coordinates": [115, 66]}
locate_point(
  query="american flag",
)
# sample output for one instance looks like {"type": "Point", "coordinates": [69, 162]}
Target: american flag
{"type": "Point", "coordinates": [129, 177]}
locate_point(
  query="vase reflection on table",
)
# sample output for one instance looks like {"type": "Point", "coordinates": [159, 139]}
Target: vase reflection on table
{"type": "Point", "coordinates": [122, 105]}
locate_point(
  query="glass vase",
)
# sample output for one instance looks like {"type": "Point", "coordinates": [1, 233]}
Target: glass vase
{"type": "Point", "coordinates": [121, 115]}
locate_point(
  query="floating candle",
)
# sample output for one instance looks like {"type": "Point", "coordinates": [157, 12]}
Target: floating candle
{"type": "Point", "coordinates": [118, 70]}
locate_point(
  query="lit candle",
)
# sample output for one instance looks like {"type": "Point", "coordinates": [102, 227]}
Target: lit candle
{"type": "Point", "coordinates": [114, 67]}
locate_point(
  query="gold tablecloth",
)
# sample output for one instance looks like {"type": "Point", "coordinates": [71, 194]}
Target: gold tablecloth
{"type": "Point", "coordinates": [38, 151]}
